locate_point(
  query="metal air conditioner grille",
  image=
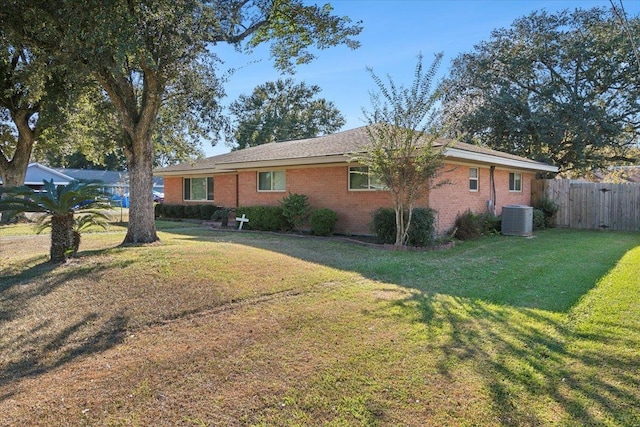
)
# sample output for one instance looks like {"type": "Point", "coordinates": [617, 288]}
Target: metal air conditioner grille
{"type": "Point", "coordinates": [517, 220]}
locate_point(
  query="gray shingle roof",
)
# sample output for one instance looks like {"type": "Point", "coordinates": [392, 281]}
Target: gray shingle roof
{"type": "Point", "coordinates": [339, 146]}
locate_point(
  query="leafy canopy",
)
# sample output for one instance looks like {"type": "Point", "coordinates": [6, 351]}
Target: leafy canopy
{"type": "Point", "coordinates": [282, 111]}
{"type": "Point", "coordinates": [65, 209]}
{"type": "Point", "coordinates": [145, 53]}
{"type": "Point", "coordinates": [402, 129]}
{"type": "Point", "coordinates": [561, 88]}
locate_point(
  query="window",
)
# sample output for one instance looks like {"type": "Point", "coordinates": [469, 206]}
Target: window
{"type": "Point", "coordinates": [271, 181]}
{"type": "Point", "coordinates": [198, 188]}
{"type": "Point", "coordinates": [515, 181]}
{"type": "Point", "coordinates": [473, 179]}
{"type": "Point", "coordinates": [361, 179]}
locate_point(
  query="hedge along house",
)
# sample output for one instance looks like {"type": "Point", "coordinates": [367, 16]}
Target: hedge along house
{"type": "Point", "coordinates": [321, 168]}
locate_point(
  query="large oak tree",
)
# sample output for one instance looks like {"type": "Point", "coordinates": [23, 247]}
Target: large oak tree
{"type": "Point", "coordinates": [141, 51]}
{"type": "Point", "coordinates": [281, 111]}
{"type": "Point", "coordinates": [562, 88]}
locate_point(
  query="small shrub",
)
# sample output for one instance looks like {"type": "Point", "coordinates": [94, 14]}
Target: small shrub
{"type": "Point", "coordinates": [471, 226]}
{"type": "Point", "coordinates": [383, 225]}
{"type": "Point", "coordinates": [549, 209]}
{"type": "Point", "coordinates": [323, 222]}
{"type": "Point", "coordinates": [192, 211]}
{"type": "Point", "coordinates": [158, 210]}
{"type": "Point", "coordinates": [295, 208]}
{"type": "Point", "coordinates": [468, 226]}
{"type": "Point", "coordinates": [491, 224]}
{"type": "Point", "coordinates": [265, 218]}
{"type": "Point", "coordinates": [421, 229]}
{"type": "Point", "coordinates": [222, 214]}
{"type": "Point", "coordinates": [539, 219]}
{"type": "Point", "coordinates": [207, 210]}
{"type": "Point", "coordinates": [178, 211]}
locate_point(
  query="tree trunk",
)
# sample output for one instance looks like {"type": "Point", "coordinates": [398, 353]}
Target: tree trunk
{"type": "Point", "coordinates": [138, 118]}
{"type": "Point", "coordinates": [142, 226]}
{"type": "Point", "coordinates": [62, 241]}
{"type": "Point", "coordinates": [13, 175]}
{"type": "Point", "coordinates": [14, 171]}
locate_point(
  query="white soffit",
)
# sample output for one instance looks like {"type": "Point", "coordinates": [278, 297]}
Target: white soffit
{"type": "Point", "coordinates": [502, 161]}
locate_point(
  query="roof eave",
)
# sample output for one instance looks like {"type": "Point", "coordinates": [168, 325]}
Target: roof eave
{"type": "Point", "coordinates": [497, 160]}
{"type": "Point", "coordinates": [297, 161]}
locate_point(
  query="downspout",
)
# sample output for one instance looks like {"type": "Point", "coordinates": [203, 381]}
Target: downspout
{"type": "Point", "coordinates": [237, 192]}
{"type": "Point", "coordinates": [491, 203]}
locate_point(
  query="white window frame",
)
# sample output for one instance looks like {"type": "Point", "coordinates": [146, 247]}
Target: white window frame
{"type": "Point", "coordinates": [517, 179]}
{"type": "Point", "coordinates": [208, 190]}
{"type": "Point", "coordinates": [273, 181]}
{"type": "Point", "coordinates": [475, 179]}
{"type": "Point", "coordinates": [370, 186]}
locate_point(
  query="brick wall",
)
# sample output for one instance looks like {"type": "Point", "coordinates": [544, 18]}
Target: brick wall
{"type": "Point", "coordinates": [173, 190]}
{"type": "Point", "coordinates": [327, 187]}
{"type": "Point", "coordinates": [453, 199]}
{"type": "Point", "coordinates": [224, 190]}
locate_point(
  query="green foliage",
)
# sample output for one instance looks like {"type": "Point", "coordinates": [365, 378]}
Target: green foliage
{"type": "Point", "coordinates": [539, 222]}
{"type": "Point", "coordinates": [471, 226]}
{"type": "Point", "coordinates": [402, 132]}
{"type": "Point", "coordinates": [265, 218]}
{"type": "Point", "coordinates": [222, 214]}
{"type": "Point", "coordinates": [295, 208]}
{"type": "Point", "coordinates": [282, 111]}
{"type": "Point", "coordinates": [549, 208]}
{"type": "Point", "coordinates": [323, 221]}
{"type": "Point", "coordinates": [421, 231]}
{"type": "Point", "coordinates": [148, 54]}
{"type": "Point", "coordinates": [33, 97]}
{"type": "Point", "coordinates": [58, 206]}
{"type": "Point", "coordinates": [383, 225]}
{"type": "Point", "coordinates": [565, 90]}
{"type": "Point", "coordinates": [202, 211]}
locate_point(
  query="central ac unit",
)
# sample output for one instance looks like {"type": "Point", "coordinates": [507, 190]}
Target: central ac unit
{"type": "Point", "coordinates": [517, 220]}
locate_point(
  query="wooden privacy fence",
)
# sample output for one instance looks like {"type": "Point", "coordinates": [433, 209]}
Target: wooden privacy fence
{"type": "Point", "coordinates": [590, 205]}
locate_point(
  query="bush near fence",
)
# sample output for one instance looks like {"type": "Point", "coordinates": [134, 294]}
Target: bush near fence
{"type": "Point", "coordinates": [591, 205]}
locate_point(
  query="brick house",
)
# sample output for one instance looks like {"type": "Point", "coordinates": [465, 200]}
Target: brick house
{"type": "Point", "coordinates": [321, 169]}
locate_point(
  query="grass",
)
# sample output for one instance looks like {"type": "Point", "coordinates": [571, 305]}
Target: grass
{"type": "Point", "coordinates": [213, 328]}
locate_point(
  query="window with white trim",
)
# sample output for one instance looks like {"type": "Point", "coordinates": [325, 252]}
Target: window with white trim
{"type": "Point", "coordinates": [198, 188]}
{"type": "Point", "coordinates": [515, 181]}
{"type": "Point", "coordinates": [272, 181]}
{"type": "Point", "coordinates": [360, 178]}
{"type": "Point", "coordinates": [473, 179]}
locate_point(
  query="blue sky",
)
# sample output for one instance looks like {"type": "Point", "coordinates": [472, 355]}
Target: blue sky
{"type": "Point", "coordinates": [394, 33]}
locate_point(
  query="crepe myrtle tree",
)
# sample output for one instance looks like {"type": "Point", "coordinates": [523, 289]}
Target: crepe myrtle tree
{"type": "Point", "coordinates": [143, 52]}
{"type": "Point", "coordinates": [65, 209]}
{"type": "Point", "coordinates": [402, 130]}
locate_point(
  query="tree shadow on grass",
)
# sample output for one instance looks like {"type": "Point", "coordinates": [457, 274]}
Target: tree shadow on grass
{"type": "Point", "coordinates": [507, 271]}
{"type": "Point", "coordinates": [43, 353]}
{"type": "Point", "coordinates": [536, 366]}
{"type": "Point", "coordinates": [34, 345]}
{"type": "Point", "coordinates": [506, 306]}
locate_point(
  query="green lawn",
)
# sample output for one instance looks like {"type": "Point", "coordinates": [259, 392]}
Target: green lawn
{"type": "Point", "coordinates": [225, 328]}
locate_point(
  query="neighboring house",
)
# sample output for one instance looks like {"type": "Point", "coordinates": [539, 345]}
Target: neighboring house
{"type": "Point", "coordinates": [36, 173]}
{"type": "Point", "coordinates": [115, 183]}
{"type": "Point", "coordinates": [321, 168]}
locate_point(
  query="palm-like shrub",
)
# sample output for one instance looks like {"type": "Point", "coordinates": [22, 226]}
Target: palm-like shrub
{"type": "Point", "coordinates": [59, 206]}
